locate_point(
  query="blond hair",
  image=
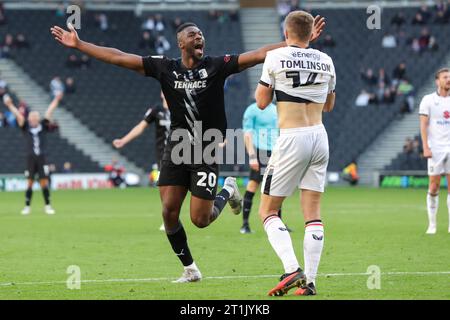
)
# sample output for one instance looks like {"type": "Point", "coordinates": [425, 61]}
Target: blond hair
{"type": "Point", "coordinates": [299, 25]}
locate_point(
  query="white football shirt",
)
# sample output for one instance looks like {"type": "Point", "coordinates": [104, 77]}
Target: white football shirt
{"type": "Point", "coordinates": [299, 75]}
{"type": "Point", "coordinates": [437, 109]}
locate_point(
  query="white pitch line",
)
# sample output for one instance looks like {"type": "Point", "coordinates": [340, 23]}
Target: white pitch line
{"type": "Point", "coordinates": [9, 284]}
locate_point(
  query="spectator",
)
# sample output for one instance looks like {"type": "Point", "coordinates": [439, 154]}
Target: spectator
{"type": "Point", "coordinates": [389, 41]}
{"type": "Point", "coordinates": [116, 172]}
{"type": "Point", "coordinates": [399, 72]}
{"type": "Point", "coordinates": [213, 15]}
{"type": "Point", "coordinates": [162, 45]}
{"type": "Point", "coordinates": [389, 95]}
{"type": "Point", "coordinates": [380, 91]}
{"type": "Point", "coordinates": [350, 173]}
{"type": "Point", "coordinates": [9, 40]}
{"type": "Point", "coordinates": [283, 8]}
{"type": "Point", "coordinates": [21, 42]}
{"type": "Point", "coordinates": [70, 87]}
{"type": "Point", "coordinates": [382, 77]}
{"type": "Point", "coordinates": [159, 23]}
{"type": "Point", "coordinates": [408, 146]}
{"type": "Point", "coordinates": [399, 19]}
{"type": "Point", "coordinates": [417, 146]}
{"type": "Point", "coordinates": [102, 21]}
{"type": "Point", "coordinates": [67, 167]}
{"type": "Point", "coordinates": [149, 24]}
{"type": "Point", "coordinates": [426, 15]}
{"type": "Point", "coordinates": [7, 46]}
{"type": "Point", "coordinates": [85, 61]}
{"type": "Point", "coordinates": [424, 39]}
{"type": "Point", "coordinates": [418, 19]}
{"type": "Point", "coordinates": [295, 5]}
{"type": "Point", "coordinates": [405, 87]}
{"type": "Point", "coordinates": [329, 42]}
{"type": "Point", "coordinates": [10, 119]}
{"type": "Point", "coordinates": [56, 86]}
{"type": "Point", "coordinates": [402, 38]}
{"type": "Point", "coordinates": [234, 15]}
{"type": "Point", "coordinates": [440, 18]}
{"type": "Point", "coordinates": [415, 46]}
{"type": "Point", "coordinates": [362, 100]}
{"type": "Point", "coordinates": [147, 42]}
{"type": "Point", "coordinates": [176, 23]}
{"type": "Point", "coordinates": [73, 62]}
{"type": "Point", "coordinates": [407, 105]}
{"type": "Point", "coordinates": [369, 78]}
{"type": "Point", "coordinates": [433, 45]}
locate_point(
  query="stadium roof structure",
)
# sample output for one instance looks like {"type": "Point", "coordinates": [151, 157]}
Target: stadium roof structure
{"type": "Point", "coordinates": [199, 4]}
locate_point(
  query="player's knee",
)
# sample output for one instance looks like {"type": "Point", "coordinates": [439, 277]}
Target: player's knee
{"type": "Point", "coordinates": [170, 212]}
{"type": "Point", "coordinates": [252, 186]}
{"type": "Point", "coordinates": [200, 221]}
{"type": "Point", "coordinates": [434, 188]}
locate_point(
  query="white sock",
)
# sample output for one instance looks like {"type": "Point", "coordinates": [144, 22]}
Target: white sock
{"type": "Point", "coordinates": [432, 208]}
{"type": "Point", "coordinates": [192, 266]}
{"type": "Point", "coordinates": [312, 249]}
{"type": "Point", "coordinates": [229, 189]}
{"type": "Point", "coordinates": [281, 242]}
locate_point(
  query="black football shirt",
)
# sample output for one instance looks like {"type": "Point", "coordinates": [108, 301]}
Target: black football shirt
{"type": "Point", "coordinates": [161, 117]}
{"type": "Point", "coordinates": [36, 142]}
{"type": "Point", "coordinates": [194, 94]}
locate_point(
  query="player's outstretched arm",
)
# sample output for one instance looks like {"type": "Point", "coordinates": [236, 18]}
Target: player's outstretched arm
{"type": "Point", "coordinates": [252, 58]}
{"type": "Point", "coordinates": [424, 123]}
{"type": "Point", "coordinates": [53, 105]}
{"type": "Point", "coordinates": [113, 56]}
{"type": "Point", "coordinates": [11, 107]}
{"type": "Point", "coordinates": [130, 136]}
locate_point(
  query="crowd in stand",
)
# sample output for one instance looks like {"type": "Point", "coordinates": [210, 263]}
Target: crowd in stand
{"type": "Point", "coordinates": [380, 88]}
{"type": "Point", "coordinates": [413, 147]}
{"type": "Point", "coordinates": [439, 15]}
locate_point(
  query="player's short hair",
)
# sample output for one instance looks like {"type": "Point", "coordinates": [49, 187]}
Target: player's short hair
{"type": "Point", "coordinates": [299, 24]}
{"type": "Point", "coordinates": [185, 25]}
{"type": "Point", "coordinates": [442, 70]}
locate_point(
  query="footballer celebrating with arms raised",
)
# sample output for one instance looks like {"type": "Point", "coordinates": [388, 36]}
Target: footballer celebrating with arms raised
{"type": "Point", "coordinates": [303, 80]}
{"type": "Point", "coordinates": [194, 88]}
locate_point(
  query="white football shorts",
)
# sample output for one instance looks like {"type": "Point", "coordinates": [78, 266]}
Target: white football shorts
{"type": "Point", "coordinates": [439, 163]}
{"type": "Point", "coordinates": [299, 160]}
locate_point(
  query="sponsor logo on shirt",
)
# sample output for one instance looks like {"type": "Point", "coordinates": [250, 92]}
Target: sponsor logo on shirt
{"type": "Point", "coordinates": [203, 74]}
{"type": "Point", "coordinates": [446, 114]}
{"type": "Point", "coordinates": [190, 84]}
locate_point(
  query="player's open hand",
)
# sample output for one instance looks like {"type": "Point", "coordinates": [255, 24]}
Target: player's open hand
{"type": "Point", "coordinates": [254, 164]}
{"type": "Point", "coordinates": [427, 153]}
{"type": "Point", "coordinates": [69, 38]}
{"type": "Point", "coordinates": [7, 100]}
{"type": "Point", "coordinates": [319, 25]}
{"type": "Point", "coordinates": [118, 143]}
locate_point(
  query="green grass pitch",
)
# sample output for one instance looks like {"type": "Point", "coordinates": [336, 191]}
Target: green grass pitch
{"type": "Point", "coordinates": [113, 236]}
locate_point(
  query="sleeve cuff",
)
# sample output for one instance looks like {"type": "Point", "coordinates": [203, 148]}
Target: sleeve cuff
{"type": "Point", "coordinates": [265, 84]}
